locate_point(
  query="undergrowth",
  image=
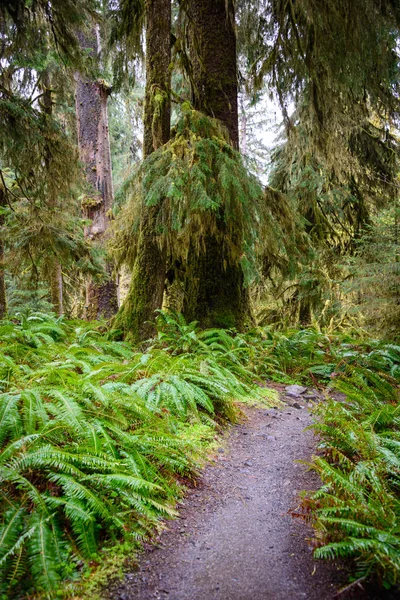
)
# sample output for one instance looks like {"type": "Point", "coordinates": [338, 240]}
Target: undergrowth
{"type": "Point", "coordinates": [95, 437]}
{"type": "Point", "coordinates": [316, 358]}
{"type": "Point", "coordinates": [98, 438]}
{"type": "Point", "coordinates": [356, 511]}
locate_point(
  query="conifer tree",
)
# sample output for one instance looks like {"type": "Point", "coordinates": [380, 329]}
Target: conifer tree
{"type": "Point", "coordinates": [94, 148]}
{"type": "Point", "coordinates": [54, 266]}
{"type": "Point", "coordinates": [148, 276]}
{"type": "Point", "coordinates": [38, 158]}
{"type": "Point", "coordinates": [214, 286]}
{"type": "Point", "coordinates": [3, 302]}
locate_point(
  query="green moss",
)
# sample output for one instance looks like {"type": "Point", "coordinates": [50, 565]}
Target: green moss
{"type": "Point", "coordinates": [206, 209]}
{"type": "Point", "coordinates": [91, 201]}
{"type": "Point", "coordinates": [137, 314]}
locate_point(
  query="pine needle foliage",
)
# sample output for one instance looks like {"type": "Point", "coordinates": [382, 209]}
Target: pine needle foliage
{"type": "Point", "coordinates": [338, 65]}
{"type": "Point", "coordinates": [93, 436]}
{"type": "Point", "coordinates": [336, 199]}
{"type": "Point", "coordinates": [29, 23]}
{"type": "Point", "coordinates": [375, 266]}
{"type": "Point", "coordinates": [125, 38]}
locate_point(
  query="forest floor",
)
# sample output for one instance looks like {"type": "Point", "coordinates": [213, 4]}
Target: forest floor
{"type": "Point", "coordinates": [236, 538]}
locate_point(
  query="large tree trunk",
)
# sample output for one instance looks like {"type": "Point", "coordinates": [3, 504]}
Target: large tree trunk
{"type": "Point", "coordinates": [157, 109]}
{"type": "Point", "coordinates": [94, 150]}
{"type": "Point", "coordinates": [145, 295]}
{"type": "Point", "coordinates": [54, 267]}
{"type": "Point", "coordinates": [3, 300]}
{"type": "Point", "coordinates": [214, 291]}
{"type": "Point", "coordinates": [212, 41]}
{"type": "Point", "coordinates": [214, 288]}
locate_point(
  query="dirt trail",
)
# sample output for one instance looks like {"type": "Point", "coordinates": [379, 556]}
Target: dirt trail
{"type": "Point", "coordinates": [235, 539]}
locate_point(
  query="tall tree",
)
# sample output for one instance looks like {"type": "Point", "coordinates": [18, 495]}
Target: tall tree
{"type": "Point", "coordinates": [54, 266]}
{"type": "Point", "coordinates": [3, 301]}
{"type": "Point", "coordinates": [215, 293]}
{"type": "Point", "coordinates": [148, 276]}
{"type": "Point", "coordinates": [38, 157]}
{"type": "Point", "coordinates": [94, 149]}
{"type": "Point", "coordinates": [213, 71]}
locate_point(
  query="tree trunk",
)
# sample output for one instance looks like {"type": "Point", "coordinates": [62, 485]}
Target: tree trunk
{"type": "Point", "coordinates": [56, 288]}
{"type": "Point", "coordinates": [94, 150]}
{"type": "Point", "coordinates": [157, 109]}
{"type": "Point", "coordinates": [243, 130]}
{"type": "Point", "coordinates": [214, 288]}
{"type": "Point", "coordinates": [214, 291]}
{"type": "Point", "coordinates": [145, 295]}
{"type": "Point", "coordinates": [54, 267]}
{"type": "Point", "coordinates": [212, 43]}
{"type": "Point", "coordinates": [3, 299]}
{"type": "Point", "coordinates": [305, 313]}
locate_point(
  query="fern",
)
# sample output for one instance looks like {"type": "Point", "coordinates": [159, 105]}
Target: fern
{"type": "Point", "coordinates": [93, 435]}
{"type": "Point", "coordinates": [357, 509]}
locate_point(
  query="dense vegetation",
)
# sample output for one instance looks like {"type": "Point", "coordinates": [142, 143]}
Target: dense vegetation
{"type": "Point", "coordinates": [356, 511]}
{"type": "Point", "coordinates": [225, 262]}
{"type": "Point", "coordinates": [97, 436]}
{"type": "Point", "coordinates": [94, 435]}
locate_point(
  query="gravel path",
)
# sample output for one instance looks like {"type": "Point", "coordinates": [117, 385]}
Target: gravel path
{"type": "Point", "coordinates": [234, 539]}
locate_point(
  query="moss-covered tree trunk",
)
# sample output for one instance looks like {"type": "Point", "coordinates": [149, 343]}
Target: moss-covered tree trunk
{"type": "Point", "coordinates": [3, 299]}
{"type": "Point", "coordinates": [145, 295]}
{"type": "Point", "coordinates": [94, 150]}
{"type": "Point", "coordinates": [157, 109]}
{"type": "Point", "coordinates": [214, 287]}
{"type": "Point", "coordinates": [212, 41]}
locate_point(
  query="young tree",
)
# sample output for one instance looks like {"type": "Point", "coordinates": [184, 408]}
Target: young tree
{"type": "Point", "coordinates": [3, 301]}
{"type": "Point", "coordinates": [38, 157]}
{"type": "Point", "coordinates": [54, 266]}
{"type": "Point", "coordinates": [94, 150]}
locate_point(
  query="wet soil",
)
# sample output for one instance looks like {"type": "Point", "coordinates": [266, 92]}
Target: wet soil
{"type": "Point", "coordinates": [236, 538]}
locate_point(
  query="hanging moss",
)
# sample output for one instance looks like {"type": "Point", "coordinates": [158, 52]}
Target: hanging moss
{"type": "Point", "coordinates": [88, 202]}
{"type": "Point", "coordinates": [192, 184]}
{"type": "Point", "coordinates": [205, 198]}
{"type": "Point", "coordinates": [193, 179]}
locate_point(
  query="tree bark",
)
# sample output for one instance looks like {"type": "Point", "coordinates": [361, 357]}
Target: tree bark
{"type": "Point", "coordinates": [94, 150]}
{"type": "Point", "coordinates": [212, 44]}
{"type": "Point", "coordinates": [56, 287]}
{"type": "Point", "coordinates": [305, 313]}
{"type": "Point", "coordinates": [215, 294]}
{"type": "Point", "coordinates": [3, 298]}
{"type": "Point", "coordinates": [145, 295]}
{"type": "Point", "coordinates": [157, 108]}
{"type": "Point", "coordinates": [243, 130]}
{"type": "Point", "coordinates": [54, 267]}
